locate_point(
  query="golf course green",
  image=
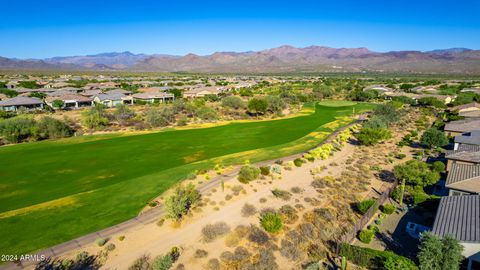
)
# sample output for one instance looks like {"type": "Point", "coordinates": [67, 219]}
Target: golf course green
{"type": "Point", "coordinates": [54, 191]}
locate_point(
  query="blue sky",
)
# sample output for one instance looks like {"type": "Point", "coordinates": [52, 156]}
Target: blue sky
{"type": "Point", "coordinates": [38, 29]}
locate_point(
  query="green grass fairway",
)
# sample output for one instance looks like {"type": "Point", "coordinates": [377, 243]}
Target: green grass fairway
{"type": "Point", "coordinates": [53, 191]}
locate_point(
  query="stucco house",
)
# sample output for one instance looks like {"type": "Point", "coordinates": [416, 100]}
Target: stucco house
{"type": "Point", "coordinates": [459, 216]}
{"type": "Point", "coordinates": [153, 97]}
{"type": "Point", "coordinates": [19, 102]}
{"type": "Point", "coordinates": [460, 127]}
{"type": "Point", "coordinates": [468, 110]}
{"type": "Point", "coordinates": [463, 179]}
{"type": "Point", "coordinates": [202, 92]}
{"type": "Point", "coordinates": [70, 101]}
{"type": "Point", "coordinates": [111, 100]}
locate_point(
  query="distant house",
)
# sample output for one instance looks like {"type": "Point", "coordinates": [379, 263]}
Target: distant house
{"type": "Point", "coordinates": [154, 89]}
{"type": "Point", "coordinates": [119, 91]}
{"type": "Point", "coordinates": [153, 97]}
{"type": "Point", "coordinates": [475, 90]}
{"type": "Point", "coordinates": [91, 93]}
{"type": "Point", "coordinates": [202, 91]}
{"type": "Point", "coordinates": [460, 127]}
{"type": "Point", "coordinates": [11, 85]}
{"type": "Point", "coordinates": [463, 179]}
{"type": "Point", "coordinates": [463, 157]}
{"type": "Point", "coordinates": [470, 138]}
{"type": "Point", "coordinates": [70, 101]}
{"type": "Point", "coordinates": [379, 88]}
{"type": "Point", "coordinates": [111, 100]}
{"type": "Point", "coordinates": [459, 216]}
{"type": "Point", "coordinates": [468, 110]}
{"type": "Point", "coordinates": [19, 102]}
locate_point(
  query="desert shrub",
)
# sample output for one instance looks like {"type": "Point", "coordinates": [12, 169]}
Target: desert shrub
{"type": "Point", "coordinates": [200, 253]}
{"type": "Point", "coordinates": [271, 222]}
{"type": "Point", "coordinates": [212, 231]}
{"type": "Point", "coordinates": [163, 262]}
{"type": "Point", "coordinates": [264, 170]}
{"type": "Point", "coordinates": [181, 201]}
{"type": "Point", "coordinates": [121, 238]}
{"type": "Point", "coordinates": [400, 156]}
{"type": "Point", "coordinates": [296, 190]}
{"type": "Point", "coordinates": [309, 157]}
{"type": "Point", "coordinates": [364, 205]}
{"type": "Point", "coordinates": [233, 102]}
{"type": "Point", "coordinates": [51, 128]}
{"type": "Point", "coordinates": [373, 259]}
{"type": "Point", "coordinates": [372, 136]}
{"type": "Point", "coordinates": [160, 222]}
{"type": "Point", "coordinates": [282, 194]}
{"type": "Point", "coordinates": [388, 208]}
{"type": "Point", "coordinates": [141, 263]}
{"type": "Point", "coordinates": [233, 260]}
{"type": "Point", "coordinates": [248, 173]}
{"type": "Point", "coordinates": [101, 241]}
{"type": "Point", "coordinates": [298, 162]}
{"type": "Point", "coordinates": [110, 247]}
{"type": "Point", "coordinates": [213, 264]}
{"type": "Point", "coordinates": [17, 129]}
{"type": "Point", "coordinates": [94, 118]}
{"type": "Point", "coordinates": [395, 194]}
{"type": "Point", "coordinates": [366, 236]}
{"type": "Point", "coordinates": [289, 214]}
{"type": "Point", "coordinates": [248, 210]}
{"type": "Point", "coordinates": [322, 152]}
{"type": "Point", "coordinates": [289, 250]}
{"type": "Point", "coordinates": [257, 236]}
{"type": "Point", "coordinates": [276, 169]}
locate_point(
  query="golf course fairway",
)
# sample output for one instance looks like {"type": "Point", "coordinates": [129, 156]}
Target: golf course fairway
{"type": "Point", "coordinates": [54, 191]}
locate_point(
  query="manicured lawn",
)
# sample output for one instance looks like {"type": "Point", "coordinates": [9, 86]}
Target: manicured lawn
{"type": "Point", "coordinates": [51, 192]}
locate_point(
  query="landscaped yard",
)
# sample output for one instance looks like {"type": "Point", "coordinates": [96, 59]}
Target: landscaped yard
{"type": "Point", "coordinates": [51, 192]}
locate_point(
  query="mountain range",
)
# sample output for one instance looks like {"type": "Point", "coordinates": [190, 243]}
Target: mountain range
{"type": "Point", "coordinates": [282, 59]}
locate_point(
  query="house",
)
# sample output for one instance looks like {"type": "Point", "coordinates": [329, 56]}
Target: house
{"type": "Point", "coordinates": [91, 93]}
{"type": "Point", "coordinates": [459, 216]}
{"type": "Point", "coordinates": [111, 100]}
{"type": "Point", "coordinates": [379, 88]}
{"type": "Point", "coordinates": [463, 179]}
{"type": "Point", "coordinates": [464, 157]}
{"type": "Point", "coordinates": [460, 127]}
{"type": "Point", "coordinates": [70, 101]}
{"type": "Point", "coordinates": [153, 97]}
{"type": "Point", "coordinates": [202, 91]}
{"type": "Point", "coordinates": [475, 90]}
{"type": "Point", "coordinates": [11, 85]}
{"type": "Point", "coordinates": [468, 110]}
{"type": "Point", "coordinates": [471, 138]}
{"type": "Point", "coordinates": [154, 89]}
{"type": "Point", "coordinates": [19, 102]}
{"type": "Point", "coordinates": [119, 91]}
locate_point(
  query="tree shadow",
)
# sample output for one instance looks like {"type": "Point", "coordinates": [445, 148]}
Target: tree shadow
{"type": "Point", "coordinates": [84, 261]}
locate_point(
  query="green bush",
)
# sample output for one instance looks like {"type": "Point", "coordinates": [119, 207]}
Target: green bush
{"type": "Point", "coordinates": [17, 129]}
{"type": "Point", "coordinates": [395, 194]}
{"type": "Point", "coordinates": [372, 136]}
{"type": "Point", "coordinates": [51, 128]}
{"type": "Point", "coordinates": [271, 222]}
{"type": "Point", "coordinates": [375, 259]}
{"type": "Point", "coordinates": [388, 208]}
{"type": "Point", "coordinates": [438, 166]}
{"type": "Point", "coordinates": [298, 162]}
{"type": "Point", "coordinates": [264, 170]}
{"type": "Point", "coordinates": [366, 236]}
{"type": "Point", "coordinates": [181, 201]}
{"type": "Point", "coordinates": [364, 205]}
{"type": "Point", "coordinates": [163, 262]}
{"type": "Point", "coordinates": [101, 241]}
{"type": "Point", "coordinates": [248, 173]}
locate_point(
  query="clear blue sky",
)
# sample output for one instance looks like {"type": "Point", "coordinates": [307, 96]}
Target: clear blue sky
{"type": "Point", "coordinates": [38, 29]}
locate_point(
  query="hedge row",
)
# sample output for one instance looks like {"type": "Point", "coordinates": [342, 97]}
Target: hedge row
{"type": "Point", "coordinates": [373, 259]}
